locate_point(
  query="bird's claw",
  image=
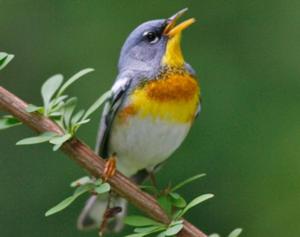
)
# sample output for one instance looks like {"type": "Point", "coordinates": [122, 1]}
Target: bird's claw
{"type": "Point", "coordinates": [110, 168]}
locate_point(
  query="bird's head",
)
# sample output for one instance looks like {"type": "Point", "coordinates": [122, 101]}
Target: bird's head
{"type": "Point", "coordinates": [154, 43]}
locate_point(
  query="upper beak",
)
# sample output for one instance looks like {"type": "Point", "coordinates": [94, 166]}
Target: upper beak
{"type": "Point", "coordinates": [173, 29]}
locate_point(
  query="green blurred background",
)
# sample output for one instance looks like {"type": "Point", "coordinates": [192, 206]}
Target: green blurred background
{"type": "Point", "coordinates": [247, 138]}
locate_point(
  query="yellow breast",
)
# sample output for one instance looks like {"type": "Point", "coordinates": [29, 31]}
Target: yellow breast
{"type": "Point", "coordinates": [173, 97]}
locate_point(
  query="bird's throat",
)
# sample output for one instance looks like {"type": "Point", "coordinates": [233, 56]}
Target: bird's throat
{"type": "Point", "coordinates": [173, 56]}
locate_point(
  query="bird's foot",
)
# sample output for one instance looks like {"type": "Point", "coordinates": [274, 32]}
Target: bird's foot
{"type": "Point", "coordinates": [110, 212]}
{"type": "Point", "coordinates": [110, 168]}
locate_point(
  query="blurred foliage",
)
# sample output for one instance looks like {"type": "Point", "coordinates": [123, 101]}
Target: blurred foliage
{"type": "Point", "coordinates": [246, 139]}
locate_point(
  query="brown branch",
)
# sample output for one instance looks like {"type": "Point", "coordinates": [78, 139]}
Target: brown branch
{"type": "Point", "coordinates": [87, 159]}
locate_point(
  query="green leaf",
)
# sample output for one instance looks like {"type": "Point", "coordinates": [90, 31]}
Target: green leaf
{"type": "Point", "coordinates": [73, 79]}
{"type": "Point", "coordinates": [195, 202]}
{"type": "Point", "coordinates": [161, 234]}
{"type": "Point", "coordinates": [57, 102]}
{"type": "Point", "coordinates": [187, 181]}
{"type": "Point", "coordinates": [97, 104]}
{"type": "Point", "coordinates": [49, 88]}
{"type": "Point", "coordinates": [136, 235]}
{"type": "Point", "coordinates": [97, 182]}
{"type": "Point", "coordinates": [77, 117]}
{"type": "Point", "coordinates": [59, 140]}
{"type": "Point", "coordinates": [176, 222]}
{"type": "Point", "coordinates": [33, 108]}
{"type": "Point", "coordinates": [236, 232]}
{"type": "Point", "coordinates": [177, 200]}
{"type": "Point", "coordinates": [83, 189]}
{"type": "Point", "coordinates": [173, 230]}
{"type": "Point", "coordinates": [60, 206]}
{"type": "Point", "coordinates": [8, 122]}
{"type": "Point", "coordinates": [55, 115]}
{"type": "Point", "coordinates": [103, 188]}
{"type": "Point", "coordinates": [82, 122]}
{"type": "Point", "coordinates": [65, 203]}
{"type": "Point", "coordinates": [139, 221]}
{"type": "Point", "coordinates": [69, 107]}
{"type": "Point", "coordinates": [177, 215]}
{"type": "Point", "coordinates": [44, 137]}
{"type": "Point", "coordinates": [214, 235]}
{"type": "Point", "coordinates": [56, 147]}
{"type": "Point", "coordinates": [81, 181]}
{"type": "Point", "coordinates": [165, 204]}
{"type": "Point", "coordinates": [149, 188]}
{"type": "Point", "coordinates": [5, 58]}
{"type": "Point", "coordinates": [148, 230]}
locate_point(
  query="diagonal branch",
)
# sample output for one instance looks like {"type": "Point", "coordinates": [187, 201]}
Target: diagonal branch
{"type": "Point", "coordinates": [86, 158]}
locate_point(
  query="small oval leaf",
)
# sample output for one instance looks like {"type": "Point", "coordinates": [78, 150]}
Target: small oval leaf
{"type": "Point", "coordinates": [136, 235]}
{"type": "Point", "coordinates": [214, 235]}
{"type": "Point", "coordinates": [81, 181]}
{"type": "Point", "coordinates": [60, 206]}
{"type": "Point", "coordinates": [173, 230]}
{"type": "Point", "coordinates": [8, 122]}
{"type": "Point", "coordinates": [73, 79]}
{"type": "Point", "coordinates": [97, 104]}
{"type": "Point", "coordinates": [5, 58]}
{"type": "Point", "coordinates": [187, 181]}
{"type": "Point", "coordinates": [49, 88]}
{"type": "Point", "coordinates": [236, 232]}
{"type": "Point", "coordinates": [177, 200]}
{"type": "Point", "coordinates": [33, 108]}
{"type": "Point", "coordinates": [140, 221]}
{"type": "Point", "coordinates": [196, 202]}
{"type": "Point", "coordinates": [103, 188]}
{"type": "Point", "coordinates": [68, 109]}
{"type": "Point", "coordinates": [77, 117]}
{"type": "Point", "coordinates": [44, 137]}
{"type": "Point", "coordinates": [58, 141]}
{"type": "Point", "coordinates": [147, 230]}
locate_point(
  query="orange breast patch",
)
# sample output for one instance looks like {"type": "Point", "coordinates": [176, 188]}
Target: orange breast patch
{"type": "Point", "coordinates": [176, 87]}
{"type": "Point", "coordinates": [172, 97]}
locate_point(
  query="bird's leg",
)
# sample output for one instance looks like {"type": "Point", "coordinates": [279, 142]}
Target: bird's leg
{"type": "Point", "coordinates": [153, 179]}
{"type": "Point", "coordinates": [110, 212]}
{"type": "Point", "coordinates": [109, 171]}
{"type": "Point", "coordinates": [110, 168]}
{"type": "Point", "coordinates": [105, 218]}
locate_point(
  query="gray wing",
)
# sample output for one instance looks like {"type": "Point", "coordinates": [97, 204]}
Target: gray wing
{"type": "Point", "coordinates": [119, 90]}
{"type": "Point", "coordinates": [193, 72]}
{"type": "Point", "coordinates": [91, 215]}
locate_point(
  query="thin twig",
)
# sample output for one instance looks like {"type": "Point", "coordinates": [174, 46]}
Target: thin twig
{"type": "Point", "coordinates": [92, 163]}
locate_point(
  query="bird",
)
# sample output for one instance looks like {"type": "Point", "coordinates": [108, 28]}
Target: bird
{"type": "Point", "coordinates": [154, 101]}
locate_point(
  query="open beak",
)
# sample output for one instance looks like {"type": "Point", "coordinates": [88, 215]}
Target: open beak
{"type": "Point", "coordinates": [173, 29]}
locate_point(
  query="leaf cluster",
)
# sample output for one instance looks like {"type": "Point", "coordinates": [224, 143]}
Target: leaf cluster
{"type": "Point", "coordinates": [173, 204]}
{"type": "Point", "coordinates": [61, 107]}
{"type": "Point", "coordinates": [56, 105]}
{"type": "Point", "coordinates": [82, 186]}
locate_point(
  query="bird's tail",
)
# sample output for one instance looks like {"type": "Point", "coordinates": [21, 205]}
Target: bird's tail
{"type": "Point", "coordinates": [92, 214]}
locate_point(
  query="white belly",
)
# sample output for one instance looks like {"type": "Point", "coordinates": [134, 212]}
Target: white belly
{"type": "Point", "coordinates": [145, 142]}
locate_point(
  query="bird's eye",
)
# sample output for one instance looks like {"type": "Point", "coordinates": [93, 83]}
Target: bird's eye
{"type": "Point", "coordinates": [151, 37]}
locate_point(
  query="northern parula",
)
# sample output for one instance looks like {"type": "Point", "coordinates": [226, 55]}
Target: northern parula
{"type": "Point", "coordinates": [155, 99]}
